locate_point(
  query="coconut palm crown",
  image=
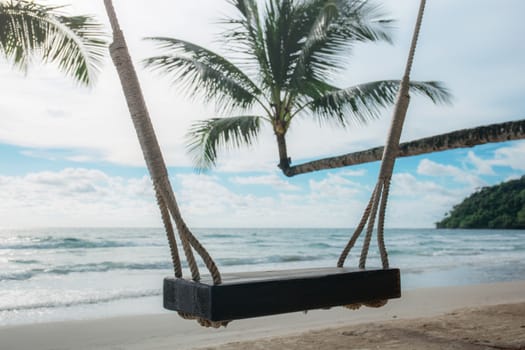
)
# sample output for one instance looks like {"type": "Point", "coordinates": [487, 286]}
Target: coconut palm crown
{"type": "Point", "coordinates": [75, 43]}
{"type": "Point", "coordinates": [284, 57]}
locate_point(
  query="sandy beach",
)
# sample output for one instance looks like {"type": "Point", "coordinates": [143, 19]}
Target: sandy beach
{"type": "Point", "coordinates": [488, 316]}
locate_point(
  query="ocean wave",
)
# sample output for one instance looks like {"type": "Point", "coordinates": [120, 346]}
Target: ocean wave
{"type": "Point", "coordinates": [221, 235]}
{"type": "Point", "coordinates": [82, 301]}
{"type": "Point", "coordinates": [396, 252]}
{"type": "Point", "coordinates": [320, 245]}
{"type": "Point", "coordinates": [64, 243]}
{"type": "Point", "coordinates": [109, 265]}
{"type": "Point", "coordinates": [82, 268]}
{"type": "Point", "coordinates": [270, 259]}
{"type": "Point", "coordinates": [17, 276]}
{"type": "Point", "coordinates": [24, 261]}
{"type": "Point", "coordinates": [237, 261]}
{"type": "Point", "coordinates": [294, 258]}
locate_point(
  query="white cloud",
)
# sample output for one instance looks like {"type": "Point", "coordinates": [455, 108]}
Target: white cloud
{"type": "Point", "coordinates": [83, 197]}
{"type": "Point", "coordinates": [332, 186]}
{"type": "Point", "coordinates": [76, 197]}
{"type": "Point", "coordinates": [270, 180]}
{"type": "Point", "coordinates": [407, 185]}
{"type": "Point", "coordinates": [204, 195]}
{"type": "Point", "coordinates": [431, 168]}
{"type": "Point", "coordinates": [482, 167]}
{"type": "Point", "coordinates": [353, 173]}
{"type": "Point", "coordinates": [511, 156]}
{"type": "Point", "coordinates": [207, 202]}
{"type": "Point", "coordinates": [416, 203]}
{"type": "Point", "coordinates": [512, 177]}
{"type": "Point", "coordinates": [332, 201]}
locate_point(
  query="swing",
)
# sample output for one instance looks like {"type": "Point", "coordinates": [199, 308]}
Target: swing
{"type": "Point", "coordinates": [217, 299]}
{"type": "Point", "coordinates": [253, 294]}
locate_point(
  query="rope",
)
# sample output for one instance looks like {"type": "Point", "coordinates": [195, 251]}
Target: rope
{"type": "Point", "coordinates": [381, 225]}
{"type": "Point", "coordinates": [355, 236]}
{"type": "Point", "coordinates": [156, 165]}
{"type": "Point", "coordinates": [379, 197]}
{"type": "Point", "coordinates": [187, 235]}
{"type": "Point", "coordinates": [415, 37]}
{"type": "Point", "coordinates": [168, 227]}
{"type": "Point", "coordinates": [171, 204]}
{"type": "Point", "coordinates": [370, 228]}
{"type": "Point", "coordinates": [203, 322]}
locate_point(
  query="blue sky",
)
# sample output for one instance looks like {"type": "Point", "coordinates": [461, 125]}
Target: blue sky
{"type": "Point", "coordinates": [69, 156]}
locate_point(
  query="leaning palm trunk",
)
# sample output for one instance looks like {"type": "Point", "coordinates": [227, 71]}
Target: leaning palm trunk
{"type": "Point", "coordinates": [154, 160]}
{"type": "Point", "coordinates": [464, 138]}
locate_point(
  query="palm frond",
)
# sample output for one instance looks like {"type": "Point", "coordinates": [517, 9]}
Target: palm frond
{"type": "Point", "coordinates": [316, 17]}
{"type": "Point", "coordinates": [281, 40]}
{"type": "Point", "coordinates": [201, 72]}
{"type": "Point", "coordinates": [363, 102]}
{"type": "Point", "coordinates": [247, 36]}
{"type": "Point", "coordinates": [331, 28]}
{"type": "Point", "coordinates": [436, 91]}
{"type": "Point", "coordinates": [206, 137]}
{"type": "Point", "coordinates": [311, 90]}
{"type": "Point", "coordinates": [75, 43]}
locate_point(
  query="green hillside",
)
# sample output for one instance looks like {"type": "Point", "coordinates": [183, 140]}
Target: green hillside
{"type": "Point", "coordinates": [499, 206]}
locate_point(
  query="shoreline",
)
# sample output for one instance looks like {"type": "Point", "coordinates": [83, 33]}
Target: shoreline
{"type": "Point", "coordinates": [168, 331]}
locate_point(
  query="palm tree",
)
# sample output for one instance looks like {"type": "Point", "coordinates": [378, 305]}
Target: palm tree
{"type": "Point", "coordinates": [75, 43]}
{"type": "Point", "coordinates": [284, 57]}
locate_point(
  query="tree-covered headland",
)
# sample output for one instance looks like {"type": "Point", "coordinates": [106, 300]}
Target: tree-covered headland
{"type": "Point", "coordinates": [499, 207]}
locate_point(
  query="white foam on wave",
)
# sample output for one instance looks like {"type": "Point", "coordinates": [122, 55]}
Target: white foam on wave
{"type": "Point", "coordinates": [49, 299]}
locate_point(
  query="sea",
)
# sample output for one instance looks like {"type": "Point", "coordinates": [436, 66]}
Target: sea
{"type": "Point", "coordinates": [58, 274]}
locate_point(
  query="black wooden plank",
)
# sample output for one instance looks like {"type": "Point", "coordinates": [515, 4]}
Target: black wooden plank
{"type": "Point", "coordinates": [256, 294]}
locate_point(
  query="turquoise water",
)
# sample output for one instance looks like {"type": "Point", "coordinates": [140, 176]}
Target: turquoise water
{"type": "Point", "coordinates": [57, 274]}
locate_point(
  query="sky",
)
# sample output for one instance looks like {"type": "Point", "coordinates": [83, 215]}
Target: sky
{"type": "Point", "coordinates": [69, 155]}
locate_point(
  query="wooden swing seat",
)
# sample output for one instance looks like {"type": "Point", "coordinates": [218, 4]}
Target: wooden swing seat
{"type": "Point", "coordinates": [253, 294]}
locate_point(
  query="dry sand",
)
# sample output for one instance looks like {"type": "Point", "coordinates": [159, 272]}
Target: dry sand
{"type": "Point", "coordinates": [488, 327]}
{"type": "Point", "coordinates": [490, 316]}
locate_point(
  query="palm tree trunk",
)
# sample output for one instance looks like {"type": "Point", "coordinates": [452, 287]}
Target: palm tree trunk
{"type": "Point", "coordinates": [501, 132]}
{"type": "Point", "coordinates": [284, 160]}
